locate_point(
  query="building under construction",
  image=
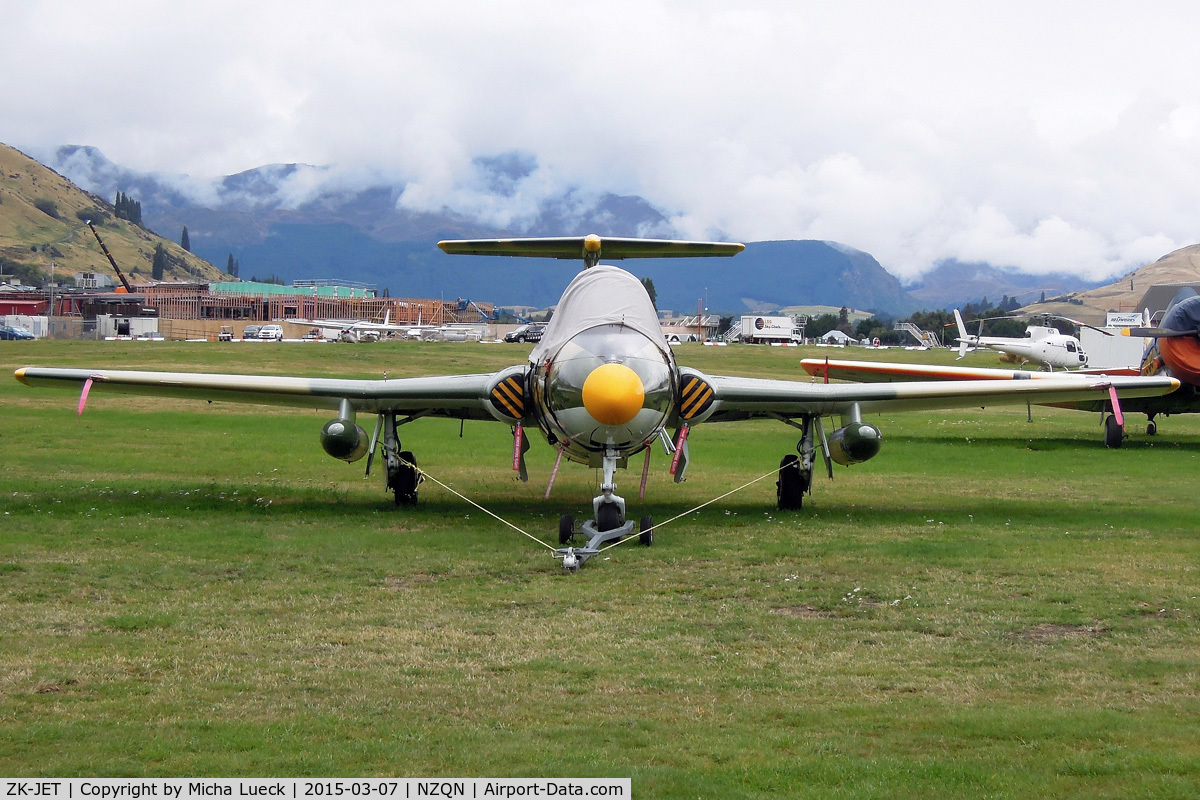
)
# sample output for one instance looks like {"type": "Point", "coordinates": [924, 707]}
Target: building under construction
{"type": "Point", "coordinates": [191, 310]}
{"type": "Point", "coordinates": [264, 302]}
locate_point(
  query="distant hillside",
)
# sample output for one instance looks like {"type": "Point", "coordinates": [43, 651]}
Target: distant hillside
{"type": "Point", "coordinates": [773, 275]}
{"type": "Point", "coordinates": [42, 220]}
{"type": "Point", "coordinates": [951, 283]}
{"type": "Point", "coordinates": [1124, 294]}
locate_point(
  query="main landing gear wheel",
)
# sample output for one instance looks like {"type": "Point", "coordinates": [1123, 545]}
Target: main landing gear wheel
{"type": "Point", "coordinates": [646, 537]}
{"type": "Point", "coordinates": [1151, 428]}
{"type": "Point", "coordinates": [566, 529]}
{"type": "Point", "coordinates": [406, 479]}
{"type": "Point", "coordinates": [790, 487]}
{"type": "Point", "coordinates": [1113, 432]}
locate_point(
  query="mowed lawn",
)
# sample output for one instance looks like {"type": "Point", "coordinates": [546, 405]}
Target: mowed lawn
{"type": "Point", "coordinates": [989, 608]}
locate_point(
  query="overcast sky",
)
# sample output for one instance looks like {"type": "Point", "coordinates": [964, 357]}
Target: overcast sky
{"type": "Point", "coordinates": [1043, 135]}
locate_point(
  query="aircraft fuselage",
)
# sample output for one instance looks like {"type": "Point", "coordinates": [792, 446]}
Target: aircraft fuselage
{"type": "Point", "coordinates": [603, 382]}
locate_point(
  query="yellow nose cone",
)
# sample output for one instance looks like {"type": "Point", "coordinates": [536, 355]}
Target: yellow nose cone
{"type": "Point", "coordinates": [613, 394]}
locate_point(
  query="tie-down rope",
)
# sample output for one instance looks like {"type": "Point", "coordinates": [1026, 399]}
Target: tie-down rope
{"type": "Point", "coordinates": [654, 527]}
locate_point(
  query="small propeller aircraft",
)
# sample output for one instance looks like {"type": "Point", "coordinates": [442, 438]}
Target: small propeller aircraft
{"type": "Point", "coordinates": [602, 386]}
{"type": "Point", "coordinates": [1042, 344]}
{"type": "Point", "coordinates": [361, 330]}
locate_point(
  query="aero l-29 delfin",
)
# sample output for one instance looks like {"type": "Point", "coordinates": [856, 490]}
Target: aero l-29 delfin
{"type": "Point", "coordinates": [602, 386]}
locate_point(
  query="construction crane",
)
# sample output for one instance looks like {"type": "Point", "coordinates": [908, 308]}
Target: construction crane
{"type": "Point", "coordinates": [111, 260]}
{"type": "Point", "coordinates": [465, 305]}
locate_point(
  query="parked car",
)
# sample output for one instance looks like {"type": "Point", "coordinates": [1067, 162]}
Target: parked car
{"type": "Point", "coordinates": [251, 331]}
{"type": "Point", "coordinates": [271, 332]}
{"type": "Point", "coordinates": [531, 332]}
{"type": "Point", "coordinates": [14, 333]}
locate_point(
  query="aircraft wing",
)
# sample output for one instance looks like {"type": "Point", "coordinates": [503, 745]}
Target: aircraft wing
{"type": "Point", "coordinates": [457, 396]}
{"type": "Point", "coordinates": [745, 398]}
{"type": "Point", "coordinates": [885, 372]}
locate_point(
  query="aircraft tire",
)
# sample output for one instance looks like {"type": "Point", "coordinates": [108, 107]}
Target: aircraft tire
{"type": "Point", "coordinates": [1114, 434]}
{"type": "Point", "coordinates": [789, 489]}
{"type": "Point", "coordinates": [646, 537]}
{"type": "Point", "coordinates": [566, 528]}
{"type": "Point", "coordinates": [1151, 428]}
{"type": "Point", "coordinates": [406, 480]}
{"type": "Point", "coordinates": [608, 516]}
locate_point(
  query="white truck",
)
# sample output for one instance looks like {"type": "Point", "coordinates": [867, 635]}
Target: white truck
{"type": "Point", "coordinates": [759, 329]}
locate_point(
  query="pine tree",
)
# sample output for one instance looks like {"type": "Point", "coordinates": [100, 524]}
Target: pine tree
{"type": "Point", "coordinates": [649, 284]}
{"type": "Point", "coordinates": [127, 208]}
{"type": "Point", "coordinates": [160, 263]}
{"type": "Point", "coordinates": [184, 241]}
{"type": "Point", "coordinates": [231, 266]}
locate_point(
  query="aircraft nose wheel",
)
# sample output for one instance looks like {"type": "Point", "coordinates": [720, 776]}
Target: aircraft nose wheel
{"type": "Point", "coordinates": [608, 517]}
{"type": "Point", "coordinates": [566, 529]}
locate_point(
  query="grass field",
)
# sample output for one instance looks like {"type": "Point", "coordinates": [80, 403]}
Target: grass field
{"type": "Point", "coordinates": [989, 608]}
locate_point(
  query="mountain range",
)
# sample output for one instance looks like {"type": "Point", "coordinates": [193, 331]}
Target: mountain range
{"type": "Point", "coordinates": [294, 221]}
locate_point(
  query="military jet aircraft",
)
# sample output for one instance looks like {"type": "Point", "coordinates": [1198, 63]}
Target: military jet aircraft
{"type": "Point", "coordinates": [602, 386]}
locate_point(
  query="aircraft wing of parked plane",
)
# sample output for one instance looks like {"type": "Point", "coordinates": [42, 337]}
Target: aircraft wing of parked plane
{"type": "Point", "coordinates": [1178, 402]}
{"type": "Point", "coordinates": [602, 385]}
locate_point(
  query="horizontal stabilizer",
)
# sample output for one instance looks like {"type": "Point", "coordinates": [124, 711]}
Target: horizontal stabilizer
{"type": "Point", "coordinates": [590, 248]}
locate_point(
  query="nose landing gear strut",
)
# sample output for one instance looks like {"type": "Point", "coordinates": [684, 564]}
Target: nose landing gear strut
{"type": "Point", "coordinates": [609, 524]}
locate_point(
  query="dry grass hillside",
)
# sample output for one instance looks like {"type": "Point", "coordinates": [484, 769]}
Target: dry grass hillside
{"type": "Point", "coordinates": [42, 219]}
{"type": "Point", "coordinates": [1180, 266]}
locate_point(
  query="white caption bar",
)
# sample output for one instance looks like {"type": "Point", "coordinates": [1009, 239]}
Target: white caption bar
{"type": "Point", "coordinates": [308, 788]}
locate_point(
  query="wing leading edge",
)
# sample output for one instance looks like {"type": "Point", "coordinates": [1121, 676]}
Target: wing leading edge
{"type": "Point", "coordinates": [456, 396]}
{"type": "Point", "coordinates": [746, 398]}
{"type": "Point", "coordinates": [466, 396]}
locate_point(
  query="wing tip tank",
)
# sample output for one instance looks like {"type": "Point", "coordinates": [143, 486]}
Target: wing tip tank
{"type": "Point", "coordinates": [20, 375]}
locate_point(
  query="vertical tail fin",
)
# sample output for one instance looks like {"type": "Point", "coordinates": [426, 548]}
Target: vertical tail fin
{"type": "Point", "coordinates": [964, 338]}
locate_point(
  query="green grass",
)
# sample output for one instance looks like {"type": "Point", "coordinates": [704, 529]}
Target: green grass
{"type": "Point", "coordinates": [988, 608]}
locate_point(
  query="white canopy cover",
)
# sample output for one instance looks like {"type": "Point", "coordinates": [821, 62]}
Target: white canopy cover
{"type": "Point", "coordinates": [602, 295]}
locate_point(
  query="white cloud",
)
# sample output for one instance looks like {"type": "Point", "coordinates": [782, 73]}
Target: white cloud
{"type": "Point", "coordinates": [1044, 136]}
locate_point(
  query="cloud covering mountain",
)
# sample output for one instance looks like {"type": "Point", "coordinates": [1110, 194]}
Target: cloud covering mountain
{"type": "Point", "coordinates": [297, 221]}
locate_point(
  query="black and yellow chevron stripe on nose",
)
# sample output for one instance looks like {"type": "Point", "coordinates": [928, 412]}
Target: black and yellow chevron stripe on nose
{"type": "Point", "coordinates": [694, 398]}
{"type": "Point", "coordinates": [508, 396]}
